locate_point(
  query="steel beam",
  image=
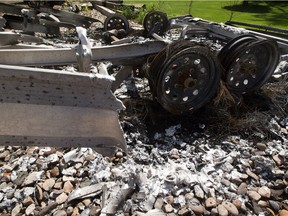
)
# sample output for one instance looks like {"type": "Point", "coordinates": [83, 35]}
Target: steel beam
{"type": "Point", "coordinates": [62, 56]}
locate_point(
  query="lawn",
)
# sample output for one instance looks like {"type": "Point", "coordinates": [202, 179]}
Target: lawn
{"type": "Point", "coordinates": [267, 13]}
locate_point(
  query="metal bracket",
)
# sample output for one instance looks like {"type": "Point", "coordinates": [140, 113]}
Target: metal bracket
{"type": "Point", "coordinates": [83, 51]}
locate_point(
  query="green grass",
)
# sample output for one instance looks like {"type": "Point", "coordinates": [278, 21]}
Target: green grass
{"type": "Point", "coordinates": [268, 13]}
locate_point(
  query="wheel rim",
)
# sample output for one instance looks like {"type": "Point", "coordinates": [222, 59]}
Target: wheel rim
{"type": "Point", "coordinates": [252, 66]}
{"type": "Point", "coordinates": [155, 22]}
{"type": "Point", "coordinates": [117, 22]}
{"type": "Point", "coordinates": [188, 80]}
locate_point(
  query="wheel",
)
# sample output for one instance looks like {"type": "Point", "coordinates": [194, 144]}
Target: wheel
{"type": "Point", "coordinates": [188, 80]}
{"type": "Point", "coordinates": [233, 44]}
{"type": "Point", "coordinates": [155, 22]}
{"type": "Point", "coordinates": [250, 66]}
{"type": "Point", "coordinates": [117, 22]}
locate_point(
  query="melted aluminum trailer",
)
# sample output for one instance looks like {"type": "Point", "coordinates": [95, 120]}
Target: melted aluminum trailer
{"type": "Point", "coordinates": [183, 76]}
{"type": "Point", "coordinates": [59, 108]}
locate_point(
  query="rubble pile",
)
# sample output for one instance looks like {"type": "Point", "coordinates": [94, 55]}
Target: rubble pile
{"type": "Point", "coordinates": [170, 176]}
{"type": "Point", "coordinates": [175, 165]}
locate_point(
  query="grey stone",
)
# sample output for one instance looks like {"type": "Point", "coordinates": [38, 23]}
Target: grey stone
{"type": "Point", "coordinates": [16, 210]}
{"type": "Point", "coordinates": [253, 195]}
{"type": "Point", "coordinates": [222, 211]}
{"type": "Point", "coordinates": [197, 209]}
{"type": "Point", "coordinates": [168, 208]}
{"type": "Point", "coordinates": [199, 192]}
{"type": "Point", "coordinates": [264, 191]}
{"type": "Point", "coordinates": [48, 184]}
{"type": "Point", "coordinates": [231, 208]}
{"type": "Point", "coordinates": [32, 178]}
{"type": "Point", "coordinates": [29, 210]}
{"type": "Point", "coordinates": [242, 189]}
{"type": "Point", "coordinates": [211, 202]}
{"type": "Point", "coordinates": [60, 213]}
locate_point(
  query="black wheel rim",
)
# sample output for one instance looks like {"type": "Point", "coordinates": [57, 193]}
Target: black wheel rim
{"type": "Point", "coordinates": [117, 22]}
{"type": "Point", "coordinates": [155, 22]}
{"type": "Point", "coordinates": [188, 80]}
{"type": "Point", "coordinates": [252, 66]}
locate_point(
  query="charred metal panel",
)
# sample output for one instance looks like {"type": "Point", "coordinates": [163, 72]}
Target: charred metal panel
{"type": "Point", "coordinates": [58, 108]}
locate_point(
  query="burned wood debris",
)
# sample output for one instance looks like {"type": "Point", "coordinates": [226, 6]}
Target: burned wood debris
{"type": "Point", "coordinates": [69, 95]}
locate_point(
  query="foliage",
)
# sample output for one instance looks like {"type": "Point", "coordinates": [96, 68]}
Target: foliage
{"type": "Point", "coordinates": [266, 13]}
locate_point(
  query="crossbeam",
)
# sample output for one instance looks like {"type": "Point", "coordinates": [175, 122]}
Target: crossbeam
{"type": "Point", "coordinates": [62, 56]}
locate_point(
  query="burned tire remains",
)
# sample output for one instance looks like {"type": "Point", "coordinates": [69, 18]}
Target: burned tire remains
{"type": "Point", "coordinates": [186, 79]}
{"type": "Point", "coordinates": [248, 62]}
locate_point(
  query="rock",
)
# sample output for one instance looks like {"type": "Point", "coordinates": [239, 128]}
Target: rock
{"type": "Point", "coordinates": [274, 205]}
{"type": "Point", "coordinates": [222, 211]}
{"type": "Point", "coordinates": [55, 172]}
{"type": "Point", "coordinates": [261, 146]}
{"type": "Point", "coordinates": [256, 208]}
{"type": "Point", "coordinates": [184, 211]}
{"type": "Point", "coordinates": [276, 193]}
{"type": "Point", "coordinates": [197, 209]}
{"type": "Point", "coordinates": [16, 210]}
{"type": "Point", "coordinates": [252, 175]}
{"type": "Point", "coordinates": [48, 184]}
{"type": "Point", "coordinates": [75, 212]}
{"type": "Point", "coordinates": [231, 208]}
{"type": "Point", "coordinates": [27, 191]}
{"type": "Point", "coordinates": [60, 213]}
{"type": "Point", "coordinates": [174, 154]}
{"type": "Point", "coordinates": [154, 212]}
{"type": "Point", "coordinates": [237, 203]}
{"type": "Point", "coordinates": [38, 193]}
{"type": "Point", "coordinates": [61, 198]}
{"type": "Point", "coordinates": [158, 203]}
{"type": "Point", "coordinates": [242, 189]}
{"type": "Point", "coordinates": [47, 151]}
{"type": "Point", "coordinates": [86, 202]}
{"type": "Point", "coordinates": [69, 210]}
{"type": "Point", "coordinates": [58, 185]}
{"type": "Point", "coordinates": [119, 154]}
{"type": "Point", "coordinates": [55, 193]}
{"type": "Point", "coordinates": [263, 203]}
{"type": "Point", "coordinates": [210, 202]}
{"type": "Point", "coordinates": [78, 166]}
{"type": "Point", "coordinates": [264, 191]}
{"type": "Point", "coordinates": [10, 194]}
{"type": "Point", "coordinates": [27, 201]}
{"type": "Point", "coordinates": [283, 213]}
{"type": "Point", "coordinates": [254, 195]}
{"type": "Point", "coordinates": [168, 208]}
{"type": "Point", "coordinates": [32, 178]}
{"type": "Point", "coordinates": [29, 210]}
{"type": "Point", "coordinates": [51, 206]}
{"type": "Point", "coordinates": [170, 199]}
{"type": "Point", "coordinates": [214, 211]}
{"type": "Point", "coordinates": [95, 211]}
{"type": "Point", "coordinates": [225, 182]}
{"type": "Point", "coordinates": [52, 159]}
{"type": "Point", "coordinates": [68, 178]}
{"type": "Point", "coordinates": [278, 159]}
{"type": "Point", "coordinates": [199, 192]}
{"type": "Point", "coordinates": [71, 171]}
{"type": "Point", "coordinates": [4, 154]}
{"type": "Point", "coordinates": [68, 187]}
